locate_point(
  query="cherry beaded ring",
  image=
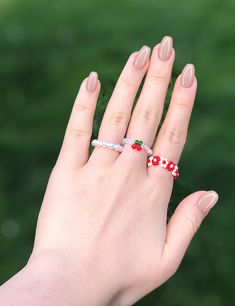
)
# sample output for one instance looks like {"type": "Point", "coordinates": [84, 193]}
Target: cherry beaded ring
{"type": "Point", "coordinates": [164, 163]}
{"type": "Point", "coordinates": [137, 145]}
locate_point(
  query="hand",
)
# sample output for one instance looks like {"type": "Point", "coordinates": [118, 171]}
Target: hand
{"type": "Point", "coordinates": [103, 218]}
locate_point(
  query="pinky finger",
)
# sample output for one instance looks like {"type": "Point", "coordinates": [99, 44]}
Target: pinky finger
{"type": "Point", "coordinates": [75, 148]}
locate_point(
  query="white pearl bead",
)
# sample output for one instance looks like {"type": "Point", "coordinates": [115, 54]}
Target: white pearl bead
{"type": "Point", "coordinates": [116, 147]}
{"type": "Point", "coordinates": [109, 145]}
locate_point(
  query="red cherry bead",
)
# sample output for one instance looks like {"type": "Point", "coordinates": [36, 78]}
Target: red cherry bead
{"type": "Point", "coordinates": [134, 146]}
{"type": "Point", "coordinates": [138, 147]}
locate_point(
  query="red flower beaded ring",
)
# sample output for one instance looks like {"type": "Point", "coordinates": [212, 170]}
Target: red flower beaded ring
{"type": "Point", "coordinates": [164, 163]}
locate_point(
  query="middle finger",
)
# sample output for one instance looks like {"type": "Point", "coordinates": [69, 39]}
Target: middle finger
{"type": "Point", "coordinates": [148, 111]}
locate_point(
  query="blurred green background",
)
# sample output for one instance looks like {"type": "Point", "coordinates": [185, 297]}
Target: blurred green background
{"type": "Point", "coordinates": [48, 47]}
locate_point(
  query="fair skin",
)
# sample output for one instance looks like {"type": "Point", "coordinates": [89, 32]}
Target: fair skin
{"type": "Point", "coordinates": [102, 236]}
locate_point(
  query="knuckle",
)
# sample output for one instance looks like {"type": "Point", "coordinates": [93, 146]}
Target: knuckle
{"type": "Point", "coordinates": [82, 106]}
{"type": "Point", "coordinates": [148, 115]}
{"type": "Point", "coordinates": [158, 76]}
{"type": "Point", "coordinates": [193, 221]}
{"type": "Point", "coordinates": [128, 81]}
{"type": "Point", "coordinates": [118, 118]}
{"type": "Point", "coordinates": [182, 104]}
{"type": "Point", "coordinates": [175, 135]}
{"type": "Point", "coordinates": [78, 132]}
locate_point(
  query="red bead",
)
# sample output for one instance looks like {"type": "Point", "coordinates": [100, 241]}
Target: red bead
{"type": "Point", "coordinates": [176, 174]}
{"type": "Point", "coordinates": [170, 166]}
{"type": "Point", "coordinates": [133, 146]}
{"type": "Point", "coordinates": [138, 147]}
{"type": "Point", "coordinates": [156, 160]}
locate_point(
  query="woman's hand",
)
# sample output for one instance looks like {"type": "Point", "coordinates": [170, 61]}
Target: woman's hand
{"type": "Point", "coordinates": [102, 235]}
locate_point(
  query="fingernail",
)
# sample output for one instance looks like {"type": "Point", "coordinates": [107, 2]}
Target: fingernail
{"type": "Point", "coordinates": [208, 201]}
{"type": "Point", "coordinates": [142, 57]}
{"type": "Point", "coordinates": [92, 81]}
{"type": "Point", "coordinates": [165, 49]}
{"type": "Point", "coordinates": [187, 76]}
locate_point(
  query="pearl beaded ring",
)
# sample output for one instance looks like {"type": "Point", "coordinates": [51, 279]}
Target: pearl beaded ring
{"type": "Point", "coordinates": [106, 144]}
{"type": "Point", "coordinates": [164, 163]}
{"type": "Point", "coordinates": [137, 145]}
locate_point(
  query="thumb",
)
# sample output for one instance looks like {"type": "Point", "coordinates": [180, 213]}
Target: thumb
{"type": "Point", "coordinates": [183, 225]}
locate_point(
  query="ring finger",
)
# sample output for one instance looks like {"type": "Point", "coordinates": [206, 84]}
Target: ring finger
{"type": "Point", "coordinates": [172, 135]}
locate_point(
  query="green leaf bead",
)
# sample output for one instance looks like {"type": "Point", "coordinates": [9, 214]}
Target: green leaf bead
{"type": "Point", "coordinates": [138, 142]}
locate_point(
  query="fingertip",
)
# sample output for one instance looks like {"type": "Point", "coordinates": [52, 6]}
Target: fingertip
{"type": "Point", "coordinates": [185, 91]}
{"type": "Point", "coordinates": [88, 89]}
{"type": "Point", "coordinates": [92, 81]}
{"type": "Point", "coordinates": [142, 58]}
{"type": "Point", "coordinates": [187, 77]}
{"type": "Point", "coordinates": [207, 201]}
{"type": "Point", "coordinates": [155, 54]}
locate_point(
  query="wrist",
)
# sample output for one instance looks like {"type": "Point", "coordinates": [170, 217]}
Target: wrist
{"type": "Point", "coordinates": [47, 280]}
{"type": "Point", "coordinates": [66, 285]}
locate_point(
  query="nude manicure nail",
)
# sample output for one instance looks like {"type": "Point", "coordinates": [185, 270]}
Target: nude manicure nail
{"type": "Point", "coordinates": [92, 81]}
{"type": "Point", "coordinates": [208, 201]}
{"type": "Point", "coordinates": [165, 48]}
{"type": "Point", "coordinates": [142, 57]}
{"type": "Point", "coordinates": [187, 76]}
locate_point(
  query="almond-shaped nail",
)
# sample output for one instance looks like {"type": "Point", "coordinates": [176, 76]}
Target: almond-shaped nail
{"type": "Point", "coordinates": [165, 48]}
{"type": "Point", "coordinates": [208, 201]}
{"type": "Point", "coordinates": [92, 81]}
{"type": "Point", "coordinates": [187, 76]}
{"type": "Point", "coordinates": [142, 57]}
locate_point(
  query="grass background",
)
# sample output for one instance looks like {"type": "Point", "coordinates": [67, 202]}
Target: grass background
{"type": "Point", "coordinates": [48, 47]}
